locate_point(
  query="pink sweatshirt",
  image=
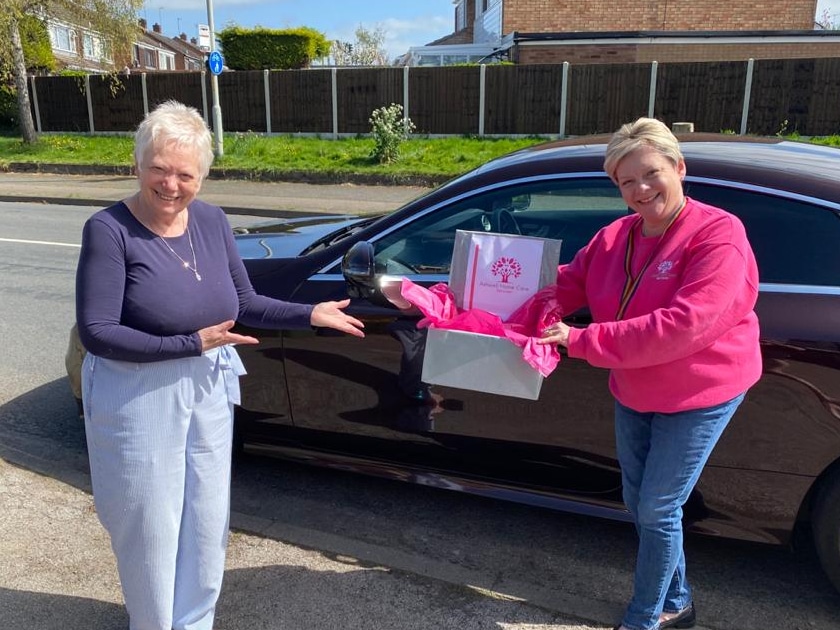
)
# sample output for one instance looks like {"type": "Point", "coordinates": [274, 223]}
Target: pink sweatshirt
{"type": "Point", "coordinates": [689, 336]}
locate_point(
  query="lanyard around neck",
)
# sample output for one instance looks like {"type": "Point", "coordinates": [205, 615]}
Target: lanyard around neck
{"type": "Point", "coordinates": [632, 282]}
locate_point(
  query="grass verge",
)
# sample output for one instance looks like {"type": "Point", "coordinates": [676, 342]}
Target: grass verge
{"type": "Point", "coordinates": [268, 156]}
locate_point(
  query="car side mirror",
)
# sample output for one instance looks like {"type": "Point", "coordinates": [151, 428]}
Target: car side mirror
{"type": "Point", "coordinates": [359, 270]}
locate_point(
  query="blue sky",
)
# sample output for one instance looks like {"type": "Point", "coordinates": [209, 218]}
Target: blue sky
{"type": "Point", "coordinates": [406, 22]}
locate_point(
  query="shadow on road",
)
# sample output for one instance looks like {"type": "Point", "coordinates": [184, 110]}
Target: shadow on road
{"type": "Point", "coordinates": [574, 565]}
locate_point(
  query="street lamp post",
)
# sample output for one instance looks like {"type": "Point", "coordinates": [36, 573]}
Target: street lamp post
{"type": "Point", "coordinates": [214, 88]}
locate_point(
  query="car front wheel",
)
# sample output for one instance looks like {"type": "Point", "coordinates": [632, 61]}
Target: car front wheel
{"type": "Point", "coordinates": [826, 527]}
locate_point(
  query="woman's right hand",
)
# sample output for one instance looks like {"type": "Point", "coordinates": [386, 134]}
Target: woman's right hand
{"type": "Point", "coordinates": [220, 335]}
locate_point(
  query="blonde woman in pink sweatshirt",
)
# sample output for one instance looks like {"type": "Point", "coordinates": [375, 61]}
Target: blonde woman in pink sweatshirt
{"type": "Point", "coordinates": [671, 288]}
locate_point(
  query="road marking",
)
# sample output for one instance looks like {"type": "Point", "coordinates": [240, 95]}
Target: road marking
{"type": "Point", "coordinates": [20, 240]}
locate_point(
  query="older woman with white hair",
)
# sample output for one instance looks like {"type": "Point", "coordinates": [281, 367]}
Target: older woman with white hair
{"type": "Point", "coordinates": [159, 286]}
{"type": "Point", "coordinates": [671, 288]}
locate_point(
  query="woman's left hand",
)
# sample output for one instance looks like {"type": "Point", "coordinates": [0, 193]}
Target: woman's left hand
{"type": "Point", "coordinates": [330, 315]}
{"type": "Point", "coordinates": [557, 333]}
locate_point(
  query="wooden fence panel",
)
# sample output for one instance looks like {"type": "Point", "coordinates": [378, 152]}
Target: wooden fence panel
{"type": "Point", "coordinates": [242, 99]}
{"type": "Point", "coordinates": [795, 95]}
{"type": "Point", "coordinates": [823, 116]}
{"type": "Point", "coordinates": [444, 100]}
{"type": "Point", "coordinates": [711, 95]}
{"type": "Point", "coordinates": [62, 103]}
{"type": "Point", "coordinates": [117, 102]}
{"type": "Point", "coordinates": [523, 100]}
{"type": "Point", "coordinates": [361, 90]}
{"type": "Point", "coordinates": [301, 101]}
{"type": "Point", "coordinates": [519, 100]}
{"type": "Point", "coordinates": [602, 97]}
{"type": "Point", "coordinates": [186, 87]}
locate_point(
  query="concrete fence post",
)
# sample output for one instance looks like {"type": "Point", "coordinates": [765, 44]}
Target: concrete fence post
{"type": "Point", "coordinates": [747, 95]}
{"type": "Point", "coordinates": [267, 92]}
{"type": "Point", "coordinates": [482, 99]}
{"type": "Point", "coordinates": [145, 90]}
{"type": "Point", "coordinates": [35, 104]}
{"type": "Point", "coordinates": [564, 98]}
{"type": "Point", "coordinates": [405, 98]}
{"type": "Point", "coordinates": [203, 96]}
{"type": "Point", "coordinates": [334, 76]}
{"type": "Point", "coordinates": [89, 104]}
{"type": "Point", "coordinates": [654, 68]}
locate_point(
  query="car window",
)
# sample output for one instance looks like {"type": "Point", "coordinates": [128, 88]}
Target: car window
{"type": "Point", "coordinates": [794, 242]}
{"type": "Point", "coordinates": [571, 210]}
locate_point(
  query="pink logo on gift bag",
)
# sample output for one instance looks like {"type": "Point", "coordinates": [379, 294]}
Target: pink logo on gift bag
{"type": "Point", "coordinates": [506, 267]}
{"type": "Point", "coordinates": [502, 272]}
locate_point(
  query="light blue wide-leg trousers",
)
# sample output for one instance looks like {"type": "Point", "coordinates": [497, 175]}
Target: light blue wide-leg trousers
{"type": "Point", "coordinates": [159, 440]}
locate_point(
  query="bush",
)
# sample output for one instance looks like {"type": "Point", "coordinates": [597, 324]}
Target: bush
{"type": "Point", "coordinates": [8, 108]}
{"type": "Point", "coordinates": [389, 129]}
{"type": "Point", "coordinates": [262, 48]}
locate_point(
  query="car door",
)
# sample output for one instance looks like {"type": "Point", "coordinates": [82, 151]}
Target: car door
{"type": "Point", "coordinates": [787, 431]}
{"type": "Point", "coordinates": [368, 395]}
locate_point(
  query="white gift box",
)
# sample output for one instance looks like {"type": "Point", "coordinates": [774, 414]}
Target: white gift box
{"type": "Point", "coordinates": [483, 363]}
{"type": "Point", "coordinates": [495, 273]}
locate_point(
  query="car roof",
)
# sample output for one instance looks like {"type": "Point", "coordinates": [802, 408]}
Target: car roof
{"type": "Point", "coordinates": [799, 167]}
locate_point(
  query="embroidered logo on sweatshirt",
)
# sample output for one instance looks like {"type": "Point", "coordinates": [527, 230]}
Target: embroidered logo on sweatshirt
{"type": "Point", "coordinates": [663, 270]}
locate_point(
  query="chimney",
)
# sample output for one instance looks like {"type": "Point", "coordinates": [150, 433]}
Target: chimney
{"type": "Point", "coordinates": [142, 22]}
{"type": "Point", "coordinates": [193, 41]}
{"type": "Point", "coordinates": [183, 36]}
{"type": "Point", "coordinates": [156, 28]}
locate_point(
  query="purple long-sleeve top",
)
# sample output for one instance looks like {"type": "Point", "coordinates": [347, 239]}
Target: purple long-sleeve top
{"type": "Point", "coordinates": [136, 301]}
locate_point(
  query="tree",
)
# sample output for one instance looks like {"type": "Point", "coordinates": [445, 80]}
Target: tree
{"type": "Point", "coordinates": [114, 21]}
{"type": "Point", "coordinates": [367, 50]}
{"type": "Point", "coordinates": [37, 51]}
{"type": "Point", "coordinates": [828, 21]}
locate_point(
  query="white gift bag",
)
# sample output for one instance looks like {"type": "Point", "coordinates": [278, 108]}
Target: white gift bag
{"type": "Point", "coordinates": [499, 272]}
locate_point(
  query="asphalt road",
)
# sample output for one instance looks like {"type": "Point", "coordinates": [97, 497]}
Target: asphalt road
{"type": "Point", "coordinates": [317, 549]}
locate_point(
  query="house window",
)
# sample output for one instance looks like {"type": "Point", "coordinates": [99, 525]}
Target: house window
{"type": "Point", "coordinates": [167, 61]}
{"type": "Point", "coordinates": [62, 38]}
{"type": "Point", "coordinates": [146, 57]}
{"type": "Point", "coordinates": [460, 17]}
{"type": "Point", "coordinates": [91, 46]}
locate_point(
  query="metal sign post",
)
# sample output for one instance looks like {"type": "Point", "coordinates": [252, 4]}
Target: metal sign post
{"type": "Point", "coordinates": [215, 63]}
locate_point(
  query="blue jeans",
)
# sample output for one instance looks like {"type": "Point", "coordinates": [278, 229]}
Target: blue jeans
{"type": "Point", "coordinates": [661, 457]}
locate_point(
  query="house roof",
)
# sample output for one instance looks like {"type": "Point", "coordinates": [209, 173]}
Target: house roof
{"type": "Point", "coordinates": [177, 44]}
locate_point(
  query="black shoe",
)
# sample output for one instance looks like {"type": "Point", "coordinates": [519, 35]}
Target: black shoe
{"type": "Point", "coordinates": [685, 619]}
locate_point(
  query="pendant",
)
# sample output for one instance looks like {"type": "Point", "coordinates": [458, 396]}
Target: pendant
{"type": "Point", "coordinates": [198, 276]}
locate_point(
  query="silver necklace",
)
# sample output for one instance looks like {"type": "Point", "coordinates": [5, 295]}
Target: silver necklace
{"type": "Point", "coordinates": [186, 264]}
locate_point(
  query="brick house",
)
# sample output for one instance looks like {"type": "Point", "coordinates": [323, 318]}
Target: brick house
{"type": "Point", "coordinates": [155, 51]}
{"type": "Point", "coordinates": [79, 48]}
{"type": "Point", "coordinates": [75, 47]}
{"type": "Point", "coordinates": [604, 31]}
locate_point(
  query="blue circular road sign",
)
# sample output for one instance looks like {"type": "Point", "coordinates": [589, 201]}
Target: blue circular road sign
{"type": "Point", "coordinates": [216, 62]}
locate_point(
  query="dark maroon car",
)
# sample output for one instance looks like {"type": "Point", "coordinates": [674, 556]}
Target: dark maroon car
{"type": "Point", "coordinates": [332, 400]}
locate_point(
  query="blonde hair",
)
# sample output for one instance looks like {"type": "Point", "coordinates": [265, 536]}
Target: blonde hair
{"type": "Point", "coordinates": [643, 132]}
{"type": "Point", "coordinates": [177, 123]}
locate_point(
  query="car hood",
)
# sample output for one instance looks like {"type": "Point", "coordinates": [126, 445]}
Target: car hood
{"type": "Point", "coordinates": [290, 238]}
